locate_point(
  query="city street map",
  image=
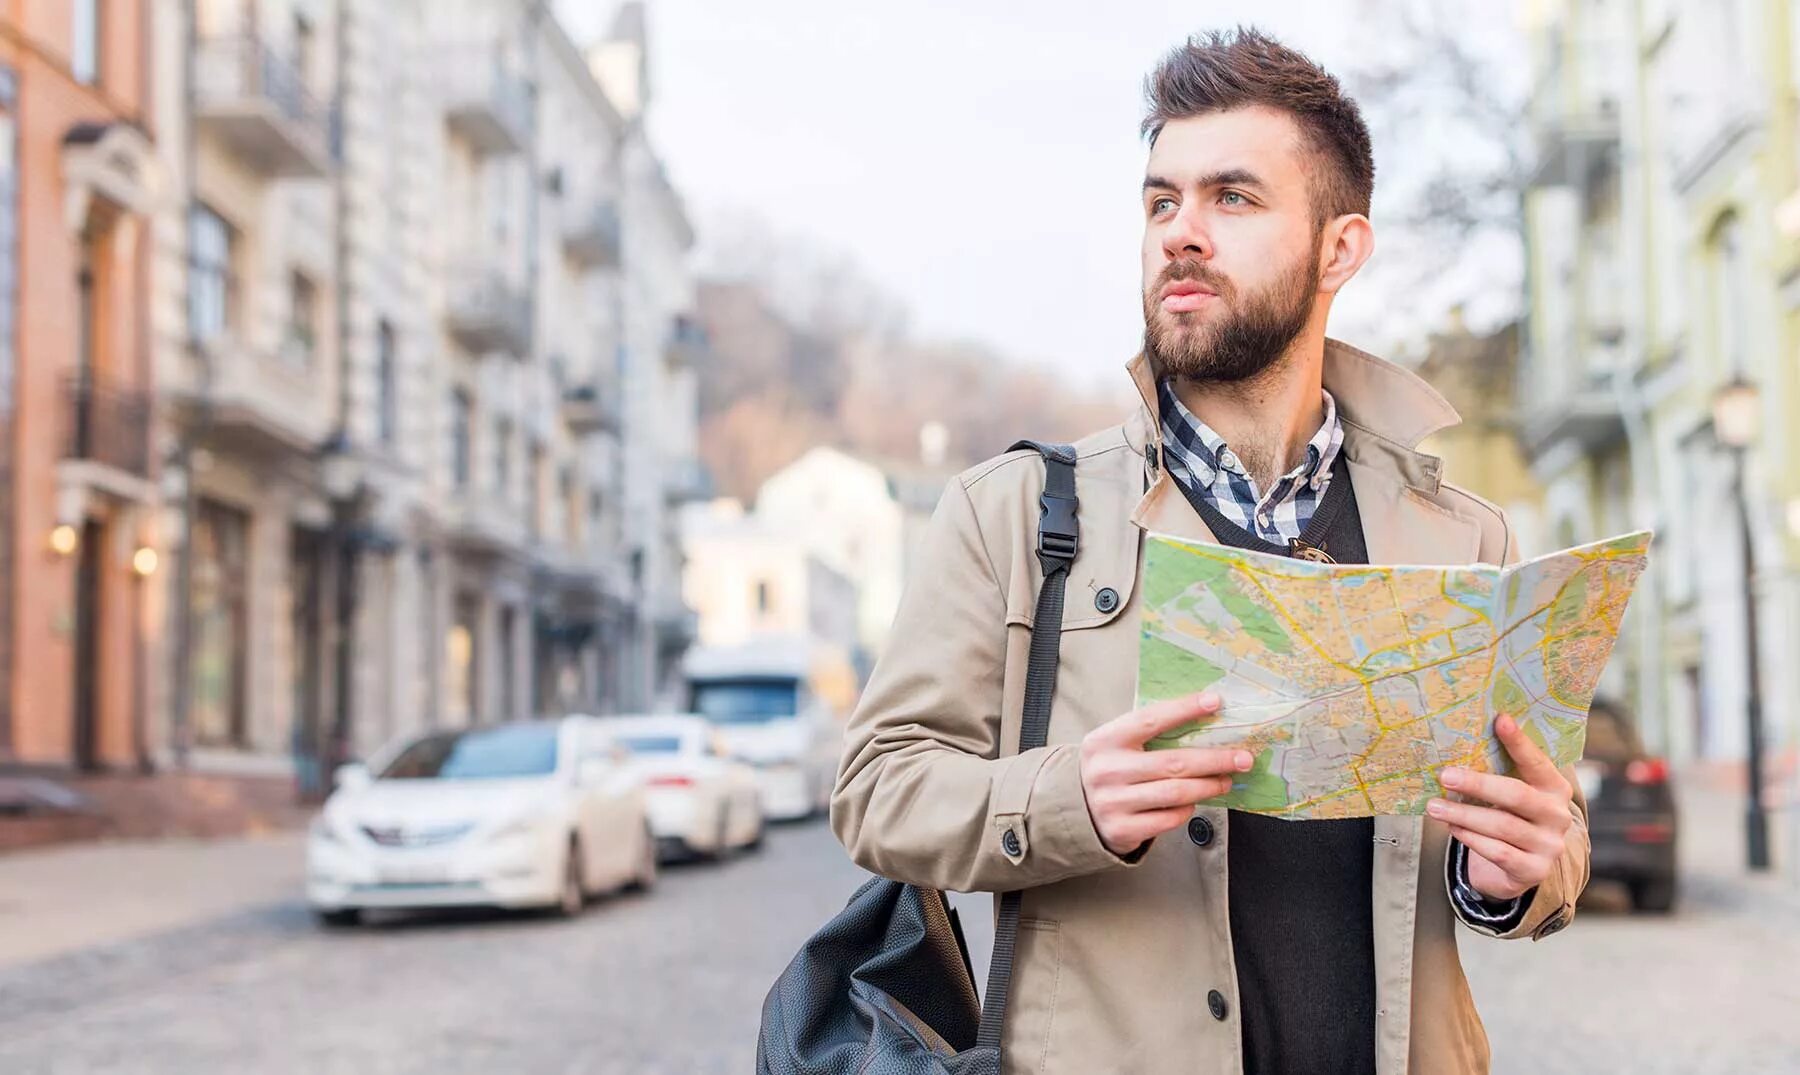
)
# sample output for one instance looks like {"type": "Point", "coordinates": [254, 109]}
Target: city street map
{"type": "Point", "coordinates": [1352, 686]}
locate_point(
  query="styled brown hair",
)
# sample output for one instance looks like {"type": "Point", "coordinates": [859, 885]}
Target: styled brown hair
{"type": "Point", "coordinates": [1222, 70]}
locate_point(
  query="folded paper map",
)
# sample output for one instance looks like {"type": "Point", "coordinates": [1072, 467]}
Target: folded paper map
{"type": "Point", "coordinates": [1353, 686]}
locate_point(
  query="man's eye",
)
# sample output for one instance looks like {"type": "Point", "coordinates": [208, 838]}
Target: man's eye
{"type": "Point", "coordinates": [1159, 204]}
{"type": "Point", "coordinates": [1232, 197]}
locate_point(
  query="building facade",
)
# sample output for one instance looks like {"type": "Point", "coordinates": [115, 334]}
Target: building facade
{"type": "Point", "coordinates": [1659, 272]}
{"type": "Point", "coordinates": [327, 432]}
{"type": "Point", "coordinates": [78, 497]}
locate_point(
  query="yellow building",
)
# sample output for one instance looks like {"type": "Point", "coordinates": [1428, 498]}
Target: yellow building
{"type": "Point", "coordinates": [1657, 275]}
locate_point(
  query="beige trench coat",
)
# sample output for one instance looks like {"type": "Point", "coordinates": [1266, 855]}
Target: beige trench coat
{"type": "Point", "coordinates": [1115, 959]}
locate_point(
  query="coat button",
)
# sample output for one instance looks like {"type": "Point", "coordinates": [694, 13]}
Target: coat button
{"type": "Point", "coordinates": [1009, 843]}
{"type": "Point", "coordinates": [1215, 1003]}
{"type": "Point", "coordinates": [1200, 831]}
{"type": "Point", "coordinates": [1107, 599]}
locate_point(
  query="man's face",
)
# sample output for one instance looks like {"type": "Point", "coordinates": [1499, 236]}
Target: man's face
{"type": "Point", "coordinates": [1231, 249]}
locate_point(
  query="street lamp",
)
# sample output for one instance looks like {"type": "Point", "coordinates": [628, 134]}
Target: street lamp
{"type": "Point", "coordinates": [1736, 409]}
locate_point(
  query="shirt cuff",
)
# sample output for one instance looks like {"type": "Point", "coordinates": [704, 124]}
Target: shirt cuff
{"type": "Point", "coordinates": [1501, 916]}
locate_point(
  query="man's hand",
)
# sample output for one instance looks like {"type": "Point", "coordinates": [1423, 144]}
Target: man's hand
{"type": "Point", "coordinates": [1135, 794]}
{"type": "Point", "coordinates": [1514, 843]}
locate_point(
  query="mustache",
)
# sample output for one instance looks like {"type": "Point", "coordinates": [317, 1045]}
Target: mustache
{"type": "Point", "coordinates": [1198, 272]}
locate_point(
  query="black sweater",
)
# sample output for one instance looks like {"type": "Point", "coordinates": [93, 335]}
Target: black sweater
{"type": "Point", "coordinates": [1302, 931]}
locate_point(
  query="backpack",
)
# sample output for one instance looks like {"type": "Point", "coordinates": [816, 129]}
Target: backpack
{"type": "Point", "coordinates": [886, 987]}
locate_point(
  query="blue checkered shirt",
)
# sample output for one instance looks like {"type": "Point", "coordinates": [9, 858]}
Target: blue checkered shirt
{"type": "Point", "coordinates": [1200, 461]}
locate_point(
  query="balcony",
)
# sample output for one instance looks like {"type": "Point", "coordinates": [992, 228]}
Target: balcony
{"type": "Point", "coordinates": [259, 105]}
{"type": "Point", "coordinates": [107, 427]}
{"type": "Point", "coordinates": [1588, 417]}
{"type": "Point", "coordinates": [486, 312]}
{"type": "Point", "coordinates": [250, 400]}
{"type": "Point", "coordinates": [687, 344]}
{"type": "Point", "coordinates": [484, 101]}
{"type": "Point", "coordinates": [592, 408]}
{"type": "Point", "coordinates": [592, 236]}
{"type": "Point", "coordinates": [480, 522]}
{"type": "Point", "coordinates": [1577, 150]}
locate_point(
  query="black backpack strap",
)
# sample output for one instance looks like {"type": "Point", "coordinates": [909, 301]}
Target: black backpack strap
{"type": "Point", "coordinates": [1059, 540]}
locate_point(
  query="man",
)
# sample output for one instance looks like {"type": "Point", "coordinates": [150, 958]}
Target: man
{"type": "Point", "coordinates": [1160, 934]}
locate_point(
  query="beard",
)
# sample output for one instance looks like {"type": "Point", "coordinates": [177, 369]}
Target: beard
{"type": "Point", "coordinates": [1250, 335]}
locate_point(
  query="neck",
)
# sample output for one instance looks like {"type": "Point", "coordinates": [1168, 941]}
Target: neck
{"type": "Point", "coordinates": [1267, 419]}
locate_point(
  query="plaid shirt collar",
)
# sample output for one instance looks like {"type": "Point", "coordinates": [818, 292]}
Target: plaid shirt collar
{"type": "Point", "coordinates": [1199, 458]}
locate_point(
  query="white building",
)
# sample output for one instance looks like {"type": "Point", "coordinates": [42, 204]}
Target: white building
{"type": "Point", "coordinates": [744, 581]}
{"type": "Point", "coordinates": [418, 330]}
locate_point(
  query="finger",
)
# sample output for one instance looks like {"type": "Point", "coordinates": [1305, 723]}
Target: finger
{"type": "Point", "coordinates": [1511, 861]}
{"type": "Point", "coordinates": [1148, 825]}
{"type": "Point", "coordinates": [1502, 826]}
{"type": "Point", "coordinates": [1176, 763]}
{"type": "Point", "coordinates": [1142, 725]}
{"type": "Point", "coordinates": [1506, 792]}
{"type": "Point", "coordinates": [1535, 766]}
{"type": "Point", "coordinates": [1165, 794]}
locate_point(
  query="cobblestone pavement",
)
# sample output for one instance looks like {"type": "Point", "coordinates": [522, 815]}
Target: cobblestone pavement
{"type": "Point", "coordinates": [673, 982]}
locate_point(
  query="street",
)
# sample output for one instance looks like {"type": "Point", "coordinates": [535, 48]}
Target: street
{"type": "Point", "coordinates": [673, 981]}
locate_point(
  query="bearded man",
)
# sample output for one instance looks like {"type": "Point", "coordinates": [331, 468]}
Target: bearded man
{"type": "Point", "coordinates": [1159, 934]}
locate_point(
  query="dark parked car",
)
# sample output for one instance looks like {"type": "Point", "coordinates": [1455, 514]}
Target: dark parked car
{"type": "Point", "coordinates": [1631, 810]}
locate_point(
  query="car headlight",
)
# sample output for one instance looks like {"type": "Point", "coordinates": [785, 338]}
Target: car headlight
{"type": "Point", "coordinates": [523, 825]}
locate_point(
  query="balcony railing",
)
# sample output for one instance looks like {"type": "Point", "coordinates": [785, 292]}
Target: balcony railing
{"type": "Point", "coordinates": [259, 104]}
{"type": "Point", "coordinates": [484, 101]}
{"type": "Point", "coordinates": [592, 235]}
{"type": "Point", "coordinates": [489, 312]}
{"type": "Point", "coordinates": [592, 407]}
{"type": "Point", "coordinates": [107, 426]}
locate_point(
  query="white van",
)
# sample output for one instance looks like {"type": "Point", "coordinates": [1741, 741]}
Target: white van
{"type": "Point", "coordinates": [778, 703]}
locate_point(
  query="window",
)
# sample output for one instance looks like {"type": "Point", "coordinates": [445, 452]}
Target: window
{"type": "Point", "coordinates": [219, 622]}
{"type": "Point", "coordinates": [762, 595]}
{"type": "Point", "coordinates": [305, 49]}
{"type": "Point", "coordinates": [387, 415]}
{"type": "Point", "coordinates": [459, 654]}
{"type": "Point", "coordinates": [303, 320]}
{"type": "Point", "coordinates": [487, 754]}
{"type": "Point", "coordinates": [212, 286]}
{"type": "Point", "coordinates": [571, 506]}
{"type": "Point", "coordinates": [84, 41]}
{"type": "Point", "coordinates": [502, 455]}
{"type": "Point", "coordinates": [538, 478]}
{"type": "Point", "coordinates": [462, 427]}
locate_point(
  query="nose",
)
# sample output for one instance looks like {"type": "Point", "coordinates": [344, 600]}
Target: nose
{"type": "Point", "coordinates": [1186, 238]}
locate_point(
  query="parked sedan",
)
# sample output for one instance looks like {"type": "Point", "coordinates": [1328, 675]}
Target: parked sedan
{"type": "Point", "coordinates": [529, 814]}
{"type": "Point", "coordinates": [1631, 810]}
{"type": "Point", "coordinates": [701, 801]}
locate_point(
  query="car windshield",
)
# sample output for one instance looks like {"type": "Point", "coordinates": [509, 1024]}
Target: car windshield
{"type": "Point", "coordinates": [651, 744]}
{"type": "Point", "coordinates": [478, 754]}
{"type": "Point", "coordinates": [746, 701]}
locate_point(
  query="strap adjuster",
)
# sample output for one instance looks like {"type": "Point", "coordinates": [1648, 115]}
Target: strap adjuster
{"type": "Point", "coordinates": [1058, 533]}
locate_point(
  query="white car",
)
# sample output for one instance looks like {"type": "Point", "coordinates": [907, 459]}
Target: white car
{"type": "Point", "coordinates": [528, 814]}
{"type": "Point", "coordinates": [701, 801]}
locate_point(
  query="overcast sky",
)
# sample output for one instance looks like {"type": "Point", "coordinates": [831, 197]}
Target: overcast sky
{"type": "Point", "coordinates": [979, 161]}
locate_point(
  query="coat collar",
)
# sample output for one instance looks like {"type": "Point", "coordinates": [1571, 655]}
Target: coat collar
{"type": "Point", "coordinates": [1386, 412]}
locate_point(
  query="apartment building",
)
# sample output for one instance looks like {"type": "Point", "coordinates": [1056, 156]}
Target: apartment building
{"type": "Point", "coordinates": [79, 181]}
{"type": "Point", "coordinates": [1660, 274]}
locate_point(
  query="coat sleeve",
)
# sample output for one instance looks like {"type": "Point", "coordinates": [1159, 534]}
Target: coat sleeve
{"type": "Point", "coordinates": [923, 794]}
{"type": "Point", "coordinates": [1550, 906]}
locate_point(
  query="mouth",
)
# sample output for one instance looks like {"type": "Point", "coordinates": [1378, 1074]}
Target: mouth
{"type": "Point", "coordinates": [1185, 296]}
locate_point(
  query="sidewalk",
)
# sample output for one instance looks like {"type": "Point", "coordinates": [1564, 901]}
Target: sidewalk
{"type": "Point", "coordinates": [68, 898]}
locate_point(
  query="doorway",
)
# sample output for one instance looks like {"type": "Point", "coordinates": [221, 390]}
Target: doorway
{"type": "Point", "coordinates": [87, 647]}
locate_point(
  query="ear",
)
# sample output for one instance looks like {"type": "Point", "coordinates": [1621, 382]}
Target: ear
{"type": "Point", "coordinates": [1346, 244]}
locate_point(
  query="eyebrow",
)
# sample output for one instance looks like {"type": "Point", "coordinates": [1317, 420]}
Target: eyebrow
{"type": "Point", "coordinates": [1229, 177]}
